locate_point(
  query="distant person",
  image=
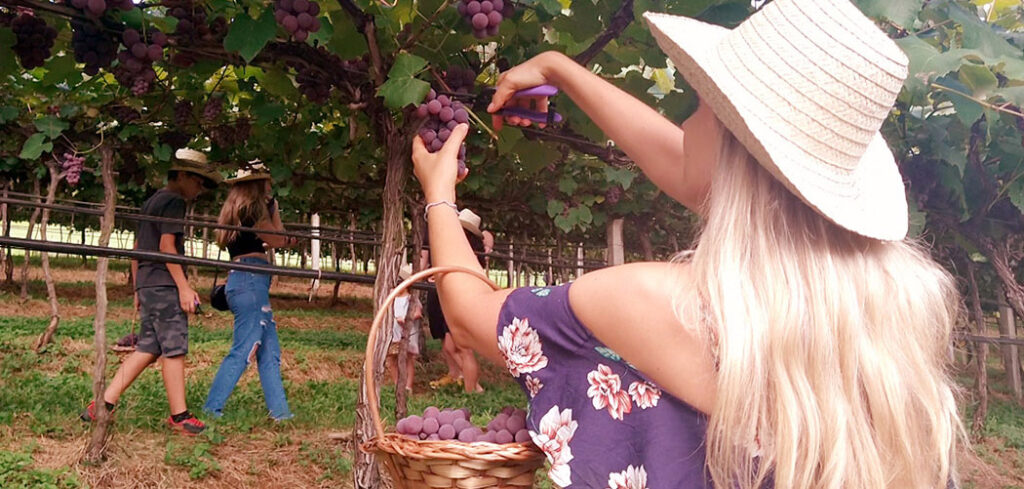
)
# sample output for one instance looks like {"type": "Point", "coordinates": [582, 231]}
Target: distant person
{"type": "Point", "coordinates": [408, 313]}
{"type": "Point", "coordinates": [461, 362]}
{"type": "Point", "coordinates": [162, 292]}
{"type": "Point", "coordinates": [249, 204]}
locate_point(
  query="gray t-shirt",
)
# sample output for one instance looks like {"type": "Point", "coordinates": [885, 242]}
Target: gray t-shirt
{"type": "Point", "coordinates": [164, 203]}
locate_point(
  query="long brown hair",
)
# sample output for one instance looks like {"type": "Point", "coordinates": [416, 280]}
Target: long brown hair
{"type": "Point", "coordinates": [246, 203]}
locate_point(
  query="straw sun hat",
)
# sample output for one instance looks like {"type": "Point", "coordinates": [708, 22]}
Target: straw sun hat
{"type": "Point", "coordinates": [470, 222]}
{"type": "Point", "coordinates": [804, 85]}
{"type": "Point", "coordinates": [192, 161]}
{"type": "Point", "coordinates": [255, 170]}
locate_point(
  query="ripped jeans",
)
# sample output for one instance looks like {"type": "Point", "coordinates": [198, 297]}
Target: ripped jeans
{"type": "Point", "coordinates": [254, 337]}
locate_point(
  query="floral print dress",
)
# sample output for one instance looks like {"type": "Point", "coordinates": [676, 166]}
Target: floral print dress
{"type": "Point", "coordinates": [600, 422]}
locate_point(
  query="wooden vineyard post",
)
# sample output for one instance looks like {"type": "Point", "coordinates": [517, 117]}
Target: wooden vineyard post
{"type": "Point", "coordinates": [314, 252]}
{"type": "Point", "coordinates": [511, 261]}
{"type": "Point", "coordinates": [616, 249]}
{"type": "Point", "coordinates": [981, 353]}
{"type": "Point", "coordinates": [1011, 358]}
{"type": "Point", "coordinates": [96, 447]}
{"type": "Point", "coordinates": [579, 260]}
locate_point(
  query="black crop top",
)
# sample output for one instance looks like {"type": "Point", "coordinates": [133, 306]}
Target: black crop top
{"type": "Point", "coordinates": [245, 242]}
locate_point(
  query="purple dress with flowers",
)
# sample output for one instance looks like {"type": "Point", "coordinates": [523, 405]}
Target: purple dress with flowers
{"type": "Point", "coordinates": [600, 422]}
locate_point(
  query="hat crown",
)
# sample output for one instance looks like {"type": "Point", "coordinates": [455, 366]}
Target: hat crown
{"type": "Point", "coordinates": [470, 217]}
{"type": "Point", "coordinates": [830, 66]}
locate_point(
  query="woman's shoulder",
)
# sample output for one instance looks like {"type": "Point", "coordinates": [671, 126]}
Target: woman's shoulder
{"type": "Point", "coordinates": [649, 314]}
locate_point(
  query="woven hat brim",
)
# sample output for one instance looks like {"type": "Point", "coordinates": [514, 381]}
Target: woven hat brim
{"type": "Point", "coordinates": [247, 178]}
{"type": "Point", "coordinates": [473, 228]}
{"type": "Point", "coordinates": [869, 200]}
{"type": "Point", "coordinates": [207, 173]}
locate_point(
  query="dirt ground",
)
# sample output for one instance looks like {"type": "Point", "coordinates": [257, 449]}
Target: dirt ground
{"type": "Point", "coordinates": [137, 461]}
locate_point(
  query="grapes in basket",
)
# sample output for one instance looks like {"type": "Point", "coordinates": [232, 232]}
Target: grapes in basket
{"type": "Point", "coordinates": [453, 424]}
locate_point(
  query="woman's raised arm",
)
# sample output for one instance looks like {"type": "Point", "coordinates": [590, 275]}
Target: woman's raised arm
{"type": "Point", "coordinates": [652, 141]}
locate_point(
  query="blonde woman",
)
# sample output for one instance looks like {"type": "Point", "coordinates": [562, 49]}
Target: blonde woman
{"type": "Point", "coordinates": [802, 343]}
{"type": "Point", "coordinates": [254, 337]}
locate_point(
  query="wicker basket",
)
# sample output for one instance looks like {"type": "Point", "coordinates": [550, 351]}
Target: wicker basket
{"type": "Point", "coordinates": [421, 464]}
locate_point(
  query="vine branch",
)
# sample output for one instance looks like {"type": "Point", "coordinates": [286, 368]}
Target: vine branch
{"type": "Point", "coordinates": [619, 21]}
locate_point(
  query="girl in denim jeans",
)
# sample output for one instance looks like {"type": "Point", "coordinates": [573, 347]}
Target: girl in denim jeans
{"type": "Point", "coordinates": [254, 337]}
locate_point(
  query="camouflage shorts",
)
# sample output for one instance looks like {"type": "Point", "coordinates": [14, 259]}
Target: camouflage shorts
{"type": "Point", "coordinates": [164, 328]}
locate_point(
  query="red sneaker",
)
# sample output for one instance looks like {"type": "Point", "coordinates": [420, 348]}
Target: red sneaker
{"type": "Point", "coordinates": [88, 414]}
{"type": "Point", "coordinates": [189, 426]}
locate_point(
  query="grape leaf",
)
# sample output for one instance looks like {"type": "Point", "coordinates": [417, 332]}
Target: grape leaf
{"type": "Point", "coordinates": [162, 152]}
{"type": "Point", "coordinates": [980, 35]}
{"type": "Point", "coordinates": [927, 63]}
{"type": "Point", "coordinates": [407, 65]}
{"type": "Point", "coordinates": [621, 176]}
{"type": "Point", "coordinates": [553, 7]}
{"type": "Point", "coordinates": [1016, 193]}
{"type": "Point", "coordinates": [8, 114]}
{"type": "Point", "coordinates": [51, 126]}
{"type": "Point", "coordinates": [8, 64]}
{"type": "Point", "coordinates": [567, 185]}
{"type": "Point", "coordinates": [346, 40]}
{"type": "Point", "coordinates": [967, 110]}
{"type": "Point", "coordinates": [555, 207]}
{"type": "Point", "coordinates": [35, 146]}
{"type": "Point", "coordinates": [901, 12]}
{"type": "Point", "coordinates": [278, 83]}
{"type": "Point", "coordinates": [247, 36]}
{"type": "Point", "coordinates": [402, 88]}
{"type": "Point", "coordinates": [535, 155]}
{"type": "Point", "coordinates": [61, 69]}
{"type": "Point", "coordinates": [978, 78]}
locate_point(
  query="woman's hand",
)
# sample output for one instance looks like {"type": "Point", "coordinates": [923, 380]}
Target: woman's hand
{"type": "Point", "coordinates": [538, 70]}
{"type": "Point", "coordinates": [439, 172]}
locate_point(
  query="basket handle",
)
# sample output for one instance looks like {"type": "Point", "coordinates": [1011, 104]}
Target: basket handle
{"type": "Point", "coordinates": [371, 341]}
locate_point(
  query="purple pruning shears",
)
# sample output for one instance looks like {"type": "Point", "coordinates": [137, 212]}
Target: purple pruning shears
{"type": "Point", "coordinates": [483, 99]}
{"type": "Point", "coordinates": [539, 91]}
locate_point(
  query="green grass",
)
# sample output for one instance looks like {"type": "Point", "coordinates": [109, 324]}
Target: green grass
{"type": "Point", "coordinates": [16, 472]}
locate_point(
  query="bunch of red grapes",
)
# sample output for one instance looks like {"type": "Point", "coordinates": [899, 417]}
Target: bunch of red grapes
{"type": "Point", "coordinates": [193, 28]}
{"type": "Point", "coordinates": [225, 135]}
{"type": "Point", "coordinates": [442, 114]}
{"type": "Point", "coordinates": [183, 113]}
{"type": "Point", "coordinates": [509, 426]}
{"type": "Point", "coordinates": [97, 8]}
{"type": "Point", "coordinates": [92, 47]}
{"type": "Point", "coordinates": [460, 79]}
{"type": "Point", "coordinates": [298, 17]}
{"type": "Point", "coordinates": [485, 15]}
{"type": "Point", "coordinates": [123, 114]}
{"type": "Point", "coordinates": [213, 108]}
{"type": "Point", "coordinates": [135, 68]}
{"type": "Point", "coordinates": [72, 166]}
{"type": "Point", "coordinates": [34, 40]}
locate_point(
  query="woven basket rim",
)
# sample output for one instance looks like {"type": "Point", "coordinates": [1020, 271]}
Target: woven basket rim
{"type": "Point", "coordinates": [397, 444]}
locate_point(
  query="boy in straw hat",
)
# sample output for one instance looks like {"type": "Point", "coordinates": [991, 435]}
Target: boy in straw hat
{"type": "Point", "coordinates": [802, 343]}
{"type": "Point", "coordinates": [162, 292]}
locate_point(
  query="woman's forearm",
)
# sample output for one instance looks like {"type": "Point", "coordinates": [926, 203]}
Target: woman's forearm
{"type": "Point", "coordinates": [652, 141]}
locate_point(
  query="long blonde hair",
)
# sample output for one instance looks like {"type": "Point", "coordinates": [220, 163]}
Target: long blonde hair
{"type": "Point", "coordinates": [246, 203]}
{"type": "Point", "coordinates": [831, 348]}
